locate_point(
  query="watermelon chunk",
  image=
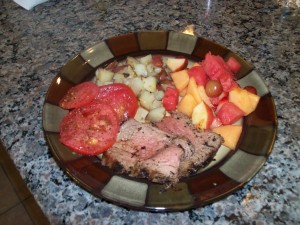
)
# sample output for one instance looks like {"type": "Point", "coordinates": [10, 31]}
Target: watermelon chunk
{"type": "Point", "coordinates": [229, 113]}
{"type": "Point", "coordinates": [217, 69]}
{"type": "Point", "coordinates": [199, 75]}
{"type": "Point", "coordinates": [233, 64]}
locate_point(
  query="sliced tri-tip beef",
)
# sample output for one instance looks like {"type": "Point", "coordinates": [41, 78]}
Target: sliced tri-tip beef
{"type": "Point", "coordinates": [163, 167]}
{"type": "Point", "coordinates": [161, 153]}
{"type": "Point", "coordinates": [205, 144]}
{"type": "Point", "coordinates": [142, 150]}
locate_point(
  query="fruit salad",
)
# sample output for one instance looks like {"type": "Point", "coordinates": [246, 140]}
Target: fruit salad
{"type": "Point", "coordinates": [205, 91]}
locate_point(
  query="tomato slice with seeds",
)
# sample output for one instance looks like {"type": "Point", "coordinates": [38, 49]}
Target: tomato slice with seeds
{"type": "Point", "coordinates": [90, 130]}
{"type": "Point", "coordinates": [121, 98]}
{"type": "Point", "coordinates": [79, 95]}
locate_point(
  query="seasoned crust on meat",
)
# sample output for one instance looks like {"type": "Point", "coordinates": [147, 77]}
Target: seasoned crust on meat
{"type": "Point", "coordinates": [162, 152]}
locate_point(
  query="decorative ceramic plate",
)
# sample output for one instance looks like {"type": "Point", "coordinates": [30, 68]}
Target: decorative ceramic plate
{"type": "Point", "coordinates": [231, 168]}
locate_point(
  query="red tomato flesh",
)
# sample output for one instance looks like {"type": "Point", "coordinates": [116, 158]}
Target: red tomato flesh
{"type": "Point", "coordinates": [121, 98]}
{"type": "Point", "coordinates": [170, 99]}
{"type": "Point", "coordinates": [79, 95]}
{"type": "Point", "coordinates": [229, 113]}
{"type": "Point", "coordinates": [233, 64]}
{"type": "Point", "coordinates": [90, 130]}
{"type": "Point", "coordinates": [199, 75]}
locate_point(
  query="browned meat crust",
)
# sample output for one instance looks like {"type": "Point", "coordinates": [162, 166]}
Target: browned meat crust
{"type": "Point", "coordinates": [162, 153]}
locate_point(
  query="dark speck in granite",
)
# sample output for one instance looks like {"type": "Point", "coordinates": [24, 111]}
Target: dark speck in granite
{"type": "Point", "coordinates": [36, 44]}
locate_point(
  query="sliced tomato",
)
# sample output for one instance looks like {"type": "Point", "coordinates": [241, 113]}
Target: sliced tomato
{"type": "Point", "coordinates": [121, 98]}
{"type": "Point", "coordinates": [79, 95]}
{"type": "Point", "coordinates": [90, 130]}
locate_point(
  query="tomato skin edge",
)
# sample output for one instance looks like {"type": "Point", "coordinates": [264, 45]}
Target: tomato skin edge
{"type": "Point", "coordinates": [121, 97]}
{"type": "Point", "coordinates": [79, 95]}
{"type": "Point", "coordinates": [76, 127]}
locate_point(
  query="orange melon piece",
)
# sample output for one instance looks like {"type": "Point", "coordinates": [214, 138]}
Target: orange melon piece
{"type": "Point", "coordinates": [187, 105]}
{"type": "Point", "coordinates": [244, 99]}
{"type": "Point", "coordinates": [183, 92]}
{"type": "Point", "coordinates": [180, 79]}
{"type": "Point", "coordinates": [193, 90]}
{"type": "Point", "coordinates": [230, 133]}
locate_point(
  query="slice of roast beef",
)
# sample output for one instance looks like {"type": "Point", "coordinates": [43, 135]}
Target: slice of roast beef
{"type": "Point", "coordinates": [206, 144]}
{"type": "Point", "coordinates": [163, 153]}
{"type": "Point", "coordinates": [142, 150]}
{"type": "Point", "coordinates": [163, 167]}
{"type": "Point", "coordinates": [145, 140]}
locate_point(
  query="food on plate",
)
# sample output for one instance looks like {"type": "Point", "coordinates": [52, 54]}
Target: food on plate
{"type": "Point", "coordinates": [233, 64]}
{"type": "Point", "coordinates": [202, 116]}
{"type": "Point", "coordinates": [79, 95]}
{"type": "Point", "coordinates": [213, 88]}
{"type": "Point", "coordinates": [176, 64]}
{"type": "Point", "coordinates": [193, 90]}
{"type": "Point", "coordinates": [217, 69]}
{"type": "Point", "coordinates": [161, 154]}
{"type": "Point", "coordinates": [198, 73]}
{"type": "Point", "coordinates": [229, 113]}
{"type": "Point", "coordinates": [205, 143]}
{"type": "Point", "coordinates": [251, 89]}
{"type": "Point", "coordinates": [187, 105]}
{"type": "Point", "coordinates": [170, 99]}
{"type": "Point", "coordinates": [181, 79]}
{"type": "Point", "coordinates": [120, 97]}
{"type": "Point", "coordinates": [157, 117]}
{"type": "Point", "coordinates": [244, 99]}
{"type": "Point", "coordinates": [230, 133]}
{"type": "Point", "coordinates": [91, 129]}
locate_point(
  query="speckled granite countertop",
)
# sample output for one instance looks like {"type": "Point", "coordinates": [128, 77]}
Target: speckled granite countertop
{"type": "Point", "coordinates": [36, 44]}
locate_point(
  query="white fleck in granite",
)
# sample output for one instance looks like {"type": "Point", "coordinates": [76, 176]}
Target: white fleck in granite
{"type": "Point", "coordinates": [35, 44]}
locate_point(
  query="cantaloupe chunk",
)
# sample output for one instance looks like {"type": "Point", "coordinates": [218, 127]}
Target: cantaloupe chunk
{"type": "Point", "coordinates": [187, 105]}
{"type": "Point", "coordinates": [244, 99]}
{"type": "Point", "coordinates": [193, 90]}
{"type": "Point", "coordinates": [230, 133]}
{"type": "Point", "coordinates": [180, 79]}
{"type": "Point", "coordinates": [183, 92]}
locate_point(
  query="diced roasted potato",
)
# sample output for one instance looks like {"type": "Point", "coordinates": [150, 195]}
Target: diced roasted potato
{"type": "Point", "coordinates": [140, 70]}
{"type": "Point", "coordinates": [156, 114]}
{"type": "Point", "coordinates": [137, 85]}
{"type": "Point", "coordinates": [141, 115]}
{"type": "Point", "coordinates": [146, 99]}
{"type": "Point", "coordinates": [119, 78]}
{"type": "Point", "coordinates": [146, 59]}
{"type": "Point", "coordinates": [150, 84]}
{"type": "Point", "coordinates": [104, 75]}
